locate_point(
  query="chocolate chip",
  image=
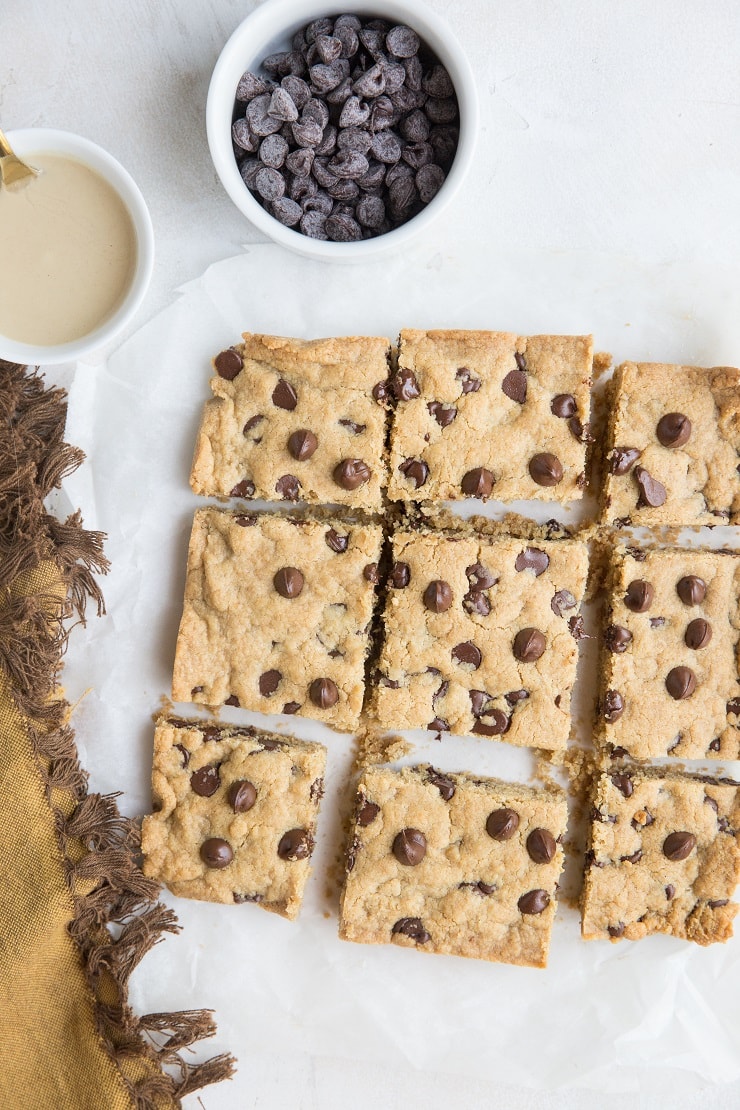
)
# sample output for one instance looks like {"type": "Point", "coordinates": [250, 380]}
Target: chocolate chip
{"type": "Point", "coordinates": [546, 469]}
{"type": "Point", "coordinates": [350, 474]}
{"type": "Point", "coordinates": [438, 596]}
{"type": "Point", "coordinates": [496, 724]}
{"type": "Point", "coordinates": [733, 706]}
{"type": "Point", "coordinates": [486, 889]}
{"type": "Point", "coordinates": [534, 902]}
{"type": "Point", "coordinates": [367, 813]}
{"type": "Point", "coordinates": [514, 386]}
{"type": "Point", "coordinates": [477, 483]}
{"type": "Point", "coordinates": [443, 414]}
{"type": "Point", "coordinates": [519, 358]}
{"type": "Point", "coordinates": [673, 429]}
{"type": "Point", "coordinates": [475, 601]}
{"type": "Point", "coordinates": [228, 364]}
{"type": "Point", "coordinates": [680, 683]}
{"type": "Point", "coordinates": [269, 682]}
{"type": "Point", "coordinates": [351, 426]}
{"type": "Point", "coordinates": [616, 930]}
{"type": "Point", "coordinates": [411, 927]}
{"type": "Point", "coordinates": [370, 573]}
{"type": "Point", "coordinates": [232, 700]}
{"type": "Point", "coordinates": [541, 846]}
{"type": "Point", "coordinates": [679, 845]}
{"type": "Point", "coordinates": [501, 824]}
{"type": "Point", "coordinates": [184, 752]}
{"type": "Point", "coordinates": [416, 470]}
{"type": "Point", "coordinates": [438, 724]}
{"type": "Point", "coordinates": [533, 558]}
{"type": "Point", "coordinates": [244, 488]}
{"type": "Point", "coordinates": [336, 542]}
{"type": "Point", "coordinates": [470, 383]}
{"type": "Point", "coordinates": [479, 699]}
{"type": "Point", "coordinates": [480, 577]}
{"type": "Point", "coordinates": [617, 638]}
{"type": "Point", "coordinates": [288, 582]}
{"type": "Point", "coordinates": [295, 844]}
{"type": "Point", "coordinates": [206, 781]}
{"type": "Point", "coordinates": [657, 622]}
{"type": "Point", "coordinates": [245, 521]}
{"type": "Point", "coordinates": [639, 595]}
{"type": "Point", "coordinates": [302, 444]}
{"type": "Point", "coordinates": [698, 634]}
{"type": "Point", "coordinates": [562, 600]}
{"type": "Point", "coordinates": [652, 492]}
{"type": "Point", "coordinates": [242, 795]}
{"type": "Point", "coordinates": [691, 589]}
{"type": "Point", "coordinates": [323, 693]}
{"type": "Point", "coordinates": [515, 696]}
{"type": "Point", "coordinates": [622, 459]}
{"type": "Point", "coordinates": [289, 487]}
{"type": "Point", "coordinates": [380, 392]}
{"type": "Point", "coordinates": [216, 853]}
{"type": "Point", "coordinates": [529, 645]}
{"type": "Point", "coordinates": [624, 784]}
{"type": "Point", "coordinates": [400, 576]}
{"type": "Point", "coordinates": [410, 847]}
{"type": "Point", "coordinates": [670, 891]}
{"type": "Point", "coordinates": [403, 385]}
{"type": "Point", "coordinates": [564, 405]}
{"type": "Point", "coordinates": [284, 396]}
{"type": "Point", "coordinates": [634, 858]}
{"type": "Point", "coordinates": [467, 652]}
{"type": "Point", "coordinates": [444, 784]}
{"type": "Point", "coordinates": [291, 707]}
{"type": "Point", "coordinates": [613, 706]}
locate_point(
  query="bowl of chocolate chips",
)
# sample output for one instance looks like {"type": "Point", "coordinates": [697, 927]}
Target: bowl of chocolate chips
{"type": "Point", "coordinates": [342, 130]}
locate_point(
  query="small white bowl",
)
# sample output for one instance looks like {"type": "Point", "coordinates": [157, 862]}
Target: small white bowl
{"type": "Point", "coordinates": [30, 141]}
{"type": "Point", "coordinates": [269, 29]}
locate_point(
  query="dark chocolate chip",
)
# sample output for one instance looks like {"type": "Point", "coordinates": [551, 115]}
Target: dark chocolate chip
{"type": "Point", "coordinates": [245, 521]}
{"type": "Point", "coordinates": [657, 622]}
{"type": "Point", "coordinates": [380, 392]}
{"type": "Point", "coordinates": [350, 425]}
{"type": "Point", "coordinates": [444, 784]}
{"type": "Point", "coordinates": [480, 577]}
{"type": "Point", "coordinates": [562, 600]}
{"type": "Point", "coordinates": [616, 930]}
{"type": "Point", "coordinates": [529, 645]}
{"type": "Point", "coordinates": [534, 902]}
{"type": "Point", "coordinates": [206, 781]}
{"type": "Point", "coordinates": [284, 396]}
{"type": "Point", "coordinates": [438, 596]}
{"type": "Point", "coordinates": [403, 385]}
{"type": "Point", "coordinates": [541, 846]}
{"type": "Point", "coordinates": [323, 693]}
{"type": "Point", "coordinates": [289, 487]}
{"type": "Point", "coordinates": [670, 891]}
{"type": "Point", "coordinates": [652, 492]}
{"type": "Point", "coordinates": [443, 414]}
{"type": "Point", "coordinates": [302, 444]}
{"type": "Point", "coordinates": [698, 634]}
{"type": "Point", "coordinates": [717, 903]}
{"type": "Point", "coordinates": [496, 724]}
{"type": "Point", "coordinates": [617, 638]}
{"type": "Point", "coordinates": [400, 576]}
{"type": "Point", "coordinates": [245, 488]}
{"type": "Point", "coordinates": [546, 469]}
{"type": "Point", "coordinates": [613, 706]}
{"type": "Point", "coordinates": [639, 596]}
{"type": "Point", "coordinates": [467, 652]}
{"type": "Point", "coordinates": [295, 844]}
{"type": "Point", "coordinates": [622, 459]}
{"type": "Point", "coordinates": [228, 364]}
{"type": "Point", "coordinates": [269, 682]}
{"type": "Point", "coordinates": [479, 699]}
{"type": "Point", "coordinates": [673, 429]}
{"type": "Point", "coordinates": [336, 542]}
{"type": "Point", "coordinates": [233, 700]}
{"type": "Point", "coordinates": [514, 386]}
{"type": "Point", "coordinates": [624, 784]}
{"type": "Point", "coordinates": [533, 558]}
{"type": "Point", "coordinates": [733, 706]}
{"type": "Point", "coordinates": [242, 795]}
{"type": "Point", "coordinates": [634, 858]}
{"type": "Point", "coordinates": [416, 470]}
{"type": "Point", "coordinates": [475, 601]}
{"type": "Point", "coordinates": [410, 847]}
{"type": "Point", "coordinates": [477, 483]}
{"type": "Point", "coordinates": [680, 682]}
{"type": "Point", "coordinates": [367, 813]}
{"type": "Point", "coordinates": [184, 752]}
{"type": "Point", "coordinates": [470, 383]}
{"type": "Point", "coordinates": [370, 573]}
{"type": "Point", "coordinates": [216, 853]}
{"type": "Point", "coordinates": [411, 927]}
{"type": "Point", "coordinates": [501, 824]}
{"type": "Point", "coordinates": [350, 474]}
{"type": "Point", "coordinates": [564, 405]}
{"type": "Point", "coordinates": [691, 589]}
{"type": "Point", "coordinates": [288, 582]}
{"type": "Point", "coordinates": [679, 845]}
{"type": "Point", "coordinates": [515, 696]}
{"type": "Point", "coordinates": [291, 707]}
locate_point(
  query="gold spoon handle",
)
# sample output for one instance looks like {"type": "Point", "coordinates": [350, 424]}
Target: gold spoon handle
{"type": "Point", "coordinates": [5, 147]}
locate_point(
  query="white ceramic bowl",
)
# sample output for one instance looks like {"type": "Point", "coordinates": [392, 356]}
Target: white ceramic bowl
{"type": "Point", "coordinates": [43, 140]}
{"type": "Point", "coordinates": [268, 29]}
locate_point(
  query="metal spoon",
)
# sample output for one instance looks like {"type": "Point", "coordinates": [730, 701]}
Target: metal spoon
{"type": "Point", "coordinates": [12, 169]}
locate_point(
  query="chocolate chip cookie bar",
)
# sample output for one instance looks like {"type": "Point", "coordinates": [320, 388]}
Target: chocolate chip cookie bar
{"type": "Point", "coordinates": [235, 813]}
{"type": "Point", "coordinates": [480, 635]}
{"type": "Point", "coordinates": [670, 683]}
{"type": "Point", "coordinates": [663, 857]}
{"type": "Point", "coordinates": [277, 615]}
{"type": "Point", "coordinates": [490, 414]}
{"type": "Point", "coordinates": [455, 864]}
{"type": "Point", "coordinates": [672, 446]}
{"type": "Point", "coordinates": [292, 420]}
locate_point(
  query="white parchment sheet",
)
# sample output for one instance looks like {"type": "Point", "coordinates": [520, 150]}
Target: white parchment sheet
{"type": "Point", "coordinates": [658, 1013]}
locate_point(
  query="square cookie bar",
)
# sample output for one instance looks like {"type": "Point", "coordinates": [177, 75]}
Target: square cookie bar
{"type": "Point", "coordinates": [452, 863]}
{"type": "Point", "coordinates": [296, 421]}
{"type": "Point", "coordinates": [277, 615]}
{"type": "Point", "coordinates": [670, 654]}
{"type": "Point", "coordinates": [663, 856]}
{"type": "Point", "coordinates": [672, 446]}
{"type": "Point", "coordinates": [483, 413]}
{"type": "Point", "coordinates": [235, 816]}
{"type": "Point", "coordinates": [480, 635]}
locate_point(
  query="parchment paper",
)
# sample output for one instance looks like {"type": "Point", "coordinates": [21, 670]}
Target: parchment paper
{"type": "Point", "coordinates": [658, 1014]}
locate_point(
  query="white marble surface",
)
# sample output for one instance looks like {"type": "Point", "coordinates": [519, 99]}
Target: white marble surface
{"type": "Point", "coordinates": [609, 133]}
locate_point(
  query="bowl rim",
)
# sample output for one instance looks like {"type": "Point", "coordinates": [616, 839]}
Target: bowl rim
{"type": "Point", "coordinates": [262, 27]}
{"type": "Point", "coordinates": [48, 140]}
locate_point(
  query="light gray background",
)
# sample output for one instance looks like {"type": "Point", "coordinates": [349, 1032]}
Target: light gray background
{"type": "Point", "coordinates": [605, 128]}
